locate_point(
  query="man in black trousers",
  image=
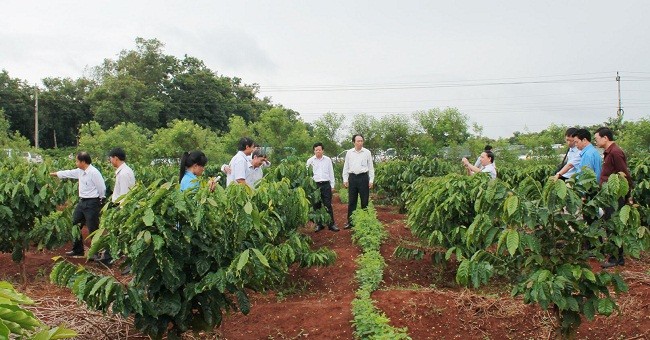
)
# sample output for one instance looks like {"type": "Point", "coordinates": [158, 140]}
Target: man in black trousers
{"type": "Point", "coordinates": [324, 178]}
{"type": "Point", "coordinates": [92, 191]}
{"type": "Point", "coordinates": [358, 175]}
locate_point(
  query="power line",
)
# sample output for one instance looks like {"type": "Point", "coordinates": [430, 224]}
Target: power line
{"type": "Point", "coordinates": [329, 88]}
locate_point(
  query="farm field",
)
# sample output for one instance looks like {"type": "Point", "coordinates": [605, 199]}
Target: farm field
{"type": "Point", "coordinates": [315, 302]}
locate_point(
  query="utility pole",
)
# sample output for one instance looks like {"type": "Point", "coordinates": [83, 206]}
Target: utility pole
{"type": "Point", "coordinates": [36, 116]}
{"type": "Point", "coordinates": [619, 113]}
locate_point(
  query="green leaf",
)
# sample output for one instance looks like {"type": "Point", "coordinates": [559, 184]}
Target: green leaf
{"type": "Point", "coordinates": [512, 203]}
{"type": "Point", "coordinates": [55, 334]}
{"type": "Point", "coordinates": [148, 217]}
{"type": "Point", "coordinates": [248, 207]}
{"type": "Point", "coordinates": [560, 189]}
{"type": "Point", "coordinates": [624, 214]}
{"type": "Point", "coordinates": [4, 331]}
{"type": "Point", "coordinates": [605, 306]}
{"type": "Point", "coordinates": [589, 310]}
{"type": "Point", "coordinates": [589, 275]}
{"type": "Point", "coordinates": [243, 259]}
{"type": "Point", "coordinates": [261, 257]}
{"type": "Point", "coordinates": [513, 241]}
{"type": "Point", "coordinates": [462, 274]}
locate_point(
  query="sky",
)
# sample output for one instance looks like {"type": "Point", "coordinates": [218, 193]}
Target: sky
{"type": "Point", "coordinates": [507, 65]}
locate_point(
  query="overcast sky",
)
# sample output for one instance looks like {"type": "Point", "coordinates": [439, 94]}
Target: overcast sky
{"type": "Point", "coordinates": [508, 65]}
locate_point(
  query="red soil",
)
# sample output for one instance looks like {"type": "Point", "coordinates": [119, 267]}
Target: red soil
{"type": "Point", "coordinates": [315, 302]}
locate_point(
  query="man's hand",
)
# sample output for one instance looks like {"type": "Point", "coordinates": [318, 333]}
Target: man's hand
{"type": "Point", "coordinates": [345, 184]}
{"type": "Point", "coordinates": [370, 185]}
{"type": "Point", "coordinates": [53, 174]}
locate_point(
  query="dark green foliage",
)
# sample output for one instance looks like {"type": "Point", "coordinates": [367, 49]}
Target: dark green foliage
{"type": "Point", "coordinates": [194, 254]}
{"type": "Point", "coordinates": [640, 171]}
{"type": "Point", "coordinates": [27, 192]}
{"type": "Point", "coordinates": [513, 174]}
{"type": "Point", "coordinates": [537, 230]}
{"type": "Point", "coordinates": [393, 178]}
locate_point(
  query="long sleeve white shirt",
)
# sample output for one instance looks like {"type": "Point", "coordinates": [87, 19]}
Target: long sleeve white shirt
{"type": "Point", "coordinates": [358, 162]}
{"type": "Point", "coordinates": [238, 167]}
{"type": "Point", "coordinates": [323, 169]}
{"type": "Point", "coordinates": [91, 182]}
{"type": "Point", "coordinates": [124, 180]}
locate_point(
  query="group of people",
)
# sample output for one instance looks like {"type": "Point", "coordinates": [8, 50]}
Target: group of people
{"type": "Point", "coordinates": [92, 193]}
{"type": "Point", "coordinates": [582, 154]}
{"type": "Point", "coordinates": [358, 174]}
{"type": "Point", "coordinates": [244, 168]}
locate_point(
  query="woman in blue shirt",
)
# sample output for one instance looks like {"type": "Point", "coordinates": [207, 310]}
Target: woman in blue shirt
{"type": "Point", "coordinates": [192, 165]}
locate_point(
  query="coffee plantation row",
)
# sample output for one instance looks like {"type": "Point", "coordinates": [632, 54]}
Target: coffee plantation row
{"type": "Point", "coordinates": [194, 255]}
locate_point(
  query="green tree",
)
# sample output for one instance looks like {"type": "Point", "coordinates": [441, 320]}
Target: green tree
{"type": "Point", "coordinates": [18, 105]}
{"type": "Point", "coordinates": [237, 129]}
{"type": "Point", "coordinates": [327, 130]}
{"type": "Point", "coordinates": [132, 138]}
{"type": "Point", "coordinates": [443, 127]}
{"type": "Point", "coordinates": [368, 126]}
{"type": "Point", "coordinates": [11, 140]}
{"type": "Point", "coordinates": [62, 110]}
{"type": "Point", "coordinates": [395, 132]}
{"type": "Point", "coordinates": [123, 99]}
{"type": "Point", "coordinates": [181, 136]}
{"type": "Point", "coordinates": [284, 131]}
{"type": "Point", "coordinates": [635, 137]}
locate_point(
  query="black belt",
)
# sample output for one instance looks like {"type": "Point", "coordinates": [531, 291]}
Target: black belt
{"type": "Point", "coordinates": [88, 198]}
{"type": "Point", "coordinates": [323, 182]}
{"type": "Point", "coordinates": [361, 174]}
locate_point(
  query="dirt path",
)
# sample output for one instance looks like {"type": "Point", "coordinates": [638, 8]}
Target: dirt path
{"type": "Point", "coordinates": [316, 301]}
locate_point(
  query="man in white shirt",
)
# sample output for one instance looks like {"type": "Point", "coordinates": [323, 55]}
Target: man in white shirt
{"type": "Point", "coordinates": [239, 162]}
{"type": "Point", "coordinates": [572, 157]}
{"type": "Point", "coordinates": [487, 163]}
{"type": "Point", "coordinates": [254, 172]}
{"type": "Point", "coordinates": [92, 191]}
{"type": "Point", "coordinates": [358, 176]}
{"type": "Point", "coordinates": [124, 180]}
{"type": "Point", "coordinates": [477, 164]}
{"type": "Point", "coordinates": [324, 178]}
{"type": "Point", "coordinates": [225, 168]}
{"type": "Point", "coordinates": [124, 177]}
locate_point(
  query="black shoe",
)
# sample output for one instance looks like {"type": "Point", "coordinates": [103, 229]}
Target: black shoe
{"type": "Point", "coordinates": [333, 227]}
{"type": "Point", "coordinates": [318, 228]}
{"type": "Point", "coordinates": [347, 226]}
{"type": "Point", "coordinates": [106, 262]}
{"type": "Point", "coordinates": [612, 262]}
{"type": "Point", "coordinates": [74, 253]}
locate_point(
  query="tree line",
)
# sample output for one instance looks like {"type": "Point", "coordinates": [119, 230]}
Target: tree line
{"type": "Point", "coordinates": [148, 92]}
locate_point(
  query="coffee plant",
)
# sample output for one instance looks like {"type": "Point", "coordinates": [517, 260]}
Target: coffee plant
{"type": "Point", "coordinates": [536, 230]}
{"type": "Point", "coordinates": [27, 192]}
{"type": "Point", "coordinates": [18, 322]}
{"type": "Point", "coordinates": [193, 255]}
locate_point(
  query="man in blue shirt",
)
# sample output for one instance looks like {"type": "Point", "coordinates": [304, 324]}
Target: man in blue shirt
{"type": "Point", "coordinates": [589, 156]}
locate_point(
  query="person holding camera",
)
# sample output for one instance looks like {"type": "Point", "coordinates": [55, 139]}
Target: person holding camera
{"type": "Point", "coordinates": [569, 165]}
{"type": "Point", "coordinates": [487, 163]}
